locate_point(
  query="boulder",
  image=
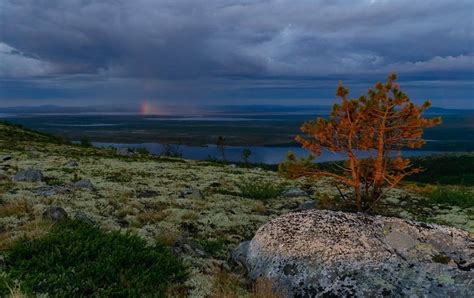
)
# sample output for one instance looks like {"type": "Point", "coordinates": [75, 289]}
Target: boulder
{"type": "Point", "coordinates": [191, 193]}
{"type": "Point", "coordinates": [55, 214]}
{"type": "Point", "coordinates": [319, 253]}
{"type": "Point", "coordinates": [30, 175]}
{"type": "Point", "coordinates": [295, 192]}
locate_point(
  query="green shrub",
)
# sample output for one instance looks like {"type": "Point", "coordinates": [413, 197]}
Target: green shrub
{"type": "Point", "coordinates": [172, 150]}
{"type": "Point", "coordinates": [76, 259]}
{"type": "Point", "coordinates": [457, 196]}
{"type": "Point", "coordinates": [214, 247]}
{"type": "Point", "coordinates": [85, 142]}
{"type": "Point", "coordinates": [259, 189]}
{"type": "Point", "coordinates": [142, 151]}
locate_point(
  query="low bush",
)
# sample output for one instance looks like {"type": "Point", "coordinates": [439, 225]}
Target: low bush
{"type": "Point", "coordinates": [259, 189]}
{"type": "Point", "coordinates": [85, 142]}
{"type": "Point", "coordinates": [457, 196]}
{"type": "Point", "coordinates": [77, 259]}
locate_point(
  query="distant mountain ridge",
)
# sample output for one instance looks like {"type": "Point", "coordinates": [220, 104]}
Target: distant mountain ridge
{"type": "Point", "coordinates": [211, 109]}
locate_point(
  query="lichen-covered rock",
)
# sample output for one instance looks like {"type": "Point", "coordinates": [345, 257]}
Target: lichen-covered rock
{"type": "Point", "coordinates": [308, 205]}
{"type": "Point", "coordinates": [323, 253]}
{"type": "Point", "coordinates": [30, 175]}
{"type": "Point", "coordinates": [191, 193]}
{"type": "Point", "coordinates": [55, 214]}
{"type": "Point", "coordinates": [50, 190]}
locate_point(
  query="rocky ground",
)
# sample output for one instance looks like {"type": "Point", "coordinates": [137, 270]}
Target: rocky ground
{"type": "Point", "coordinates": [196, 207]}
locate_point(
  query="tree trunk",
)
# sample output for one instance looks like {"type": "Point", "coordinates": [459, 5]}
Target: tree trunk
{"type": "Point", "coordinates": [379, 171]}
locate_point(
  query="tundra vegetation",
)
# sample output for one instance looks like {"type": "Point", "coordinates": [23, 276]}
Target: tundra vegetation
{"type": "Point", "coordinates": [187, 214]}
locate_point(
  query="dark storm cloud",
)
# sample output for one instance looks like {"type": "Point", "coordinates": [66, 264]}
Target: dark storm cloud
{"type": "Point", "coordinates": [175, 48]}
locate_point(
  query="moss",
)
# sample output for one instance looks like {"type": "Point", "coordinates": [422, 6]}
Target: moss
{"type": "Point", "coordinates": [442, 259]}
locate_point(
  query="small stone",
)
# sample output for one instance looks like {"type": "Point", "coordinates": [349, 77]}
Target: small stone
{"type": "Point", "coordinates": [295, 192]}
{"type": "Point", "coordinates": [55, 214]}
{"type": "Point", "coordinates": [72, 164]}
{"type": "Point", "coordinates": [191, 193]}
{"type": "Point", "coordinates": [123, 223]}
{"type": "Point", "coordinates": [233, 165]}
{"type": "Point", "coordinates": [186, 246]}
{"type": "Point", "coordinates": [29, 175]}
{"type": "Point", "coordinates": [308, 205]}
{"type": "Point", "coordinates": [124, 152]}
{"type": "Point", "coordinates": [6, 158]}
{"type": "Point", "coordinates": [82, 217]}
{"type": "Point", "coordinates": [147, 194]}
{"type": "Point", "coordinates": [83, 184]}
{"type": "Point", "coordinates": [49, 190]}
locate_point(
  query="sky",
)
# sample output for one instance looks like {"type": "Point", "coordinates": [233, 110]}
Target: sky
{"type": "Point", "coordinates": [214, 52]}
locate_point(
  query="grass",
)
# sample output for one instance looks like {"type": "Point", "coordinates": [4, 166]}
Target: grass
{"type": "Point", "coordinates": [76, 259]}
{"type": "Point", "coordinates": [214, 247]}
{"type": "Point", "coordinates": [259, 189]}
{"type": "Point", "coordinates": [454, 196]}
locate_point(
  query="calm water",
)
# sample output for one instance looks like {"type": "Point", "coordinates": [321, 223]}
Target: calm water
{"type": "Point", "coordinates": [267, 155]}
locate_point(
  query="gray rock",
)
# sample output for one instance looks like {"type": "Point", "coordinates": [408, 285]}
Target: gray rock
{"type": "Point", "coordinates": [49, 190]}
{"type": "Point", "coordinates": [295, 192]}
{"type": "Point", "coordinates": [55, 214]}
{"type": "Point", "coordinates": [188, 247]}
{"type": "Point", "coordinates": [30, 175]}
{"type": "Point", "coordinates": [325, 253]}
{"type": "Point", "coordinates": [191, 193]}
{"type": "Point", "coordinates": [72, 164]}
{"type": "Point", "coordinates": [81, 216]}
{"type": "Point", "coordinates": [239, 255]}
{"type": "Point", "coordinates": [83, 184]}
{"type": "Point", "coordinates": [308, 205]}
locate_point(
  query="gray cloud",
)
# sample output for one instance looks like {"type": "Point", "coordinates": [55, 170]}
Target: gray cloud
{"type": "Point", "coordinates": [179, 46]}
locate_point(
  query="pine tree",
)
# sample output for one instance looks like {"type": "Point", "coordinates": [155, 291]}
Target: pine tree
{"type": "Point", "coordinates": [381, 123]}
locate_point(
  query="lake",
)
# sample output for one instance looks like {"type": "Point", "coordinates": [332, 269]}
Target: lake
{"type": "Point", "coordinates": [260, 154]}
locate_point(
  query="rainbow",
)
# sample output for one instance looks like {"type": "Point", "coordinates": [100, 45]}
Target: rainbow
{"type": "Point", "coordinates": [147, 108]}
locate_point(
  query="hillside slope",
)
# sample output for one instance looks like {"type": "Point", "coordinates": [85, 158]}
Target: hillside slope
{"type": "Point", "coordinates": [201, 209]}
